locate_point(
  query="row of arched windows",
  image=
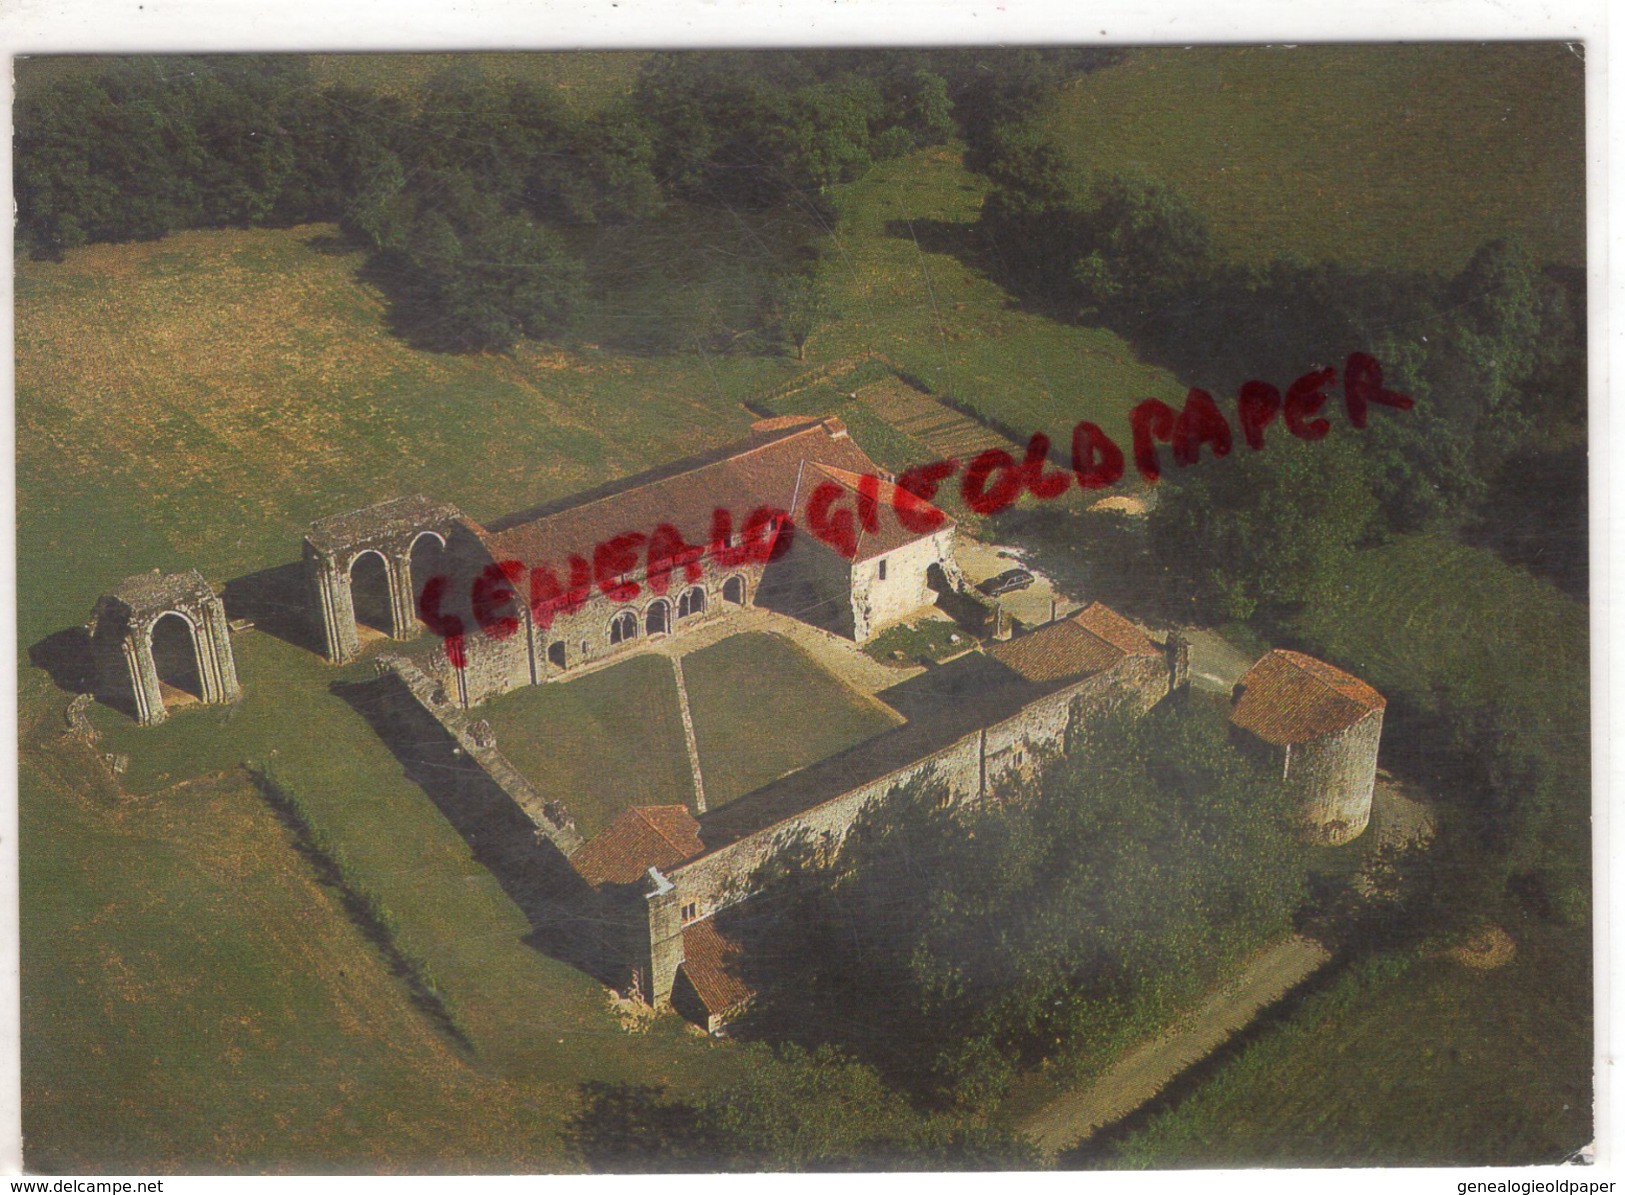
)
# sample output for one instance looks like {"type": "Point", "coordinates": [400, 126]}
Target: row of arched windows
{"type": "Point", "coordinates": [657, 617]}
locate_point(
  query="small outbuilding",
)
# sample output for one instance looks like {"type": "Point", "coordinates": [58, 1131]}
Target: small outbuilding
{"type": "Point", "coordinates": [1325, 727]}
{"type": "Point", "coordinates": [160, 639]}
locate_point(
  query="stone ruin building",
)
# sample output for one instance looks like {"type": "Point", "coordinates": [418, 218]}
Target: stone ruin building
{"type": "Point", "coordinates": [889, 573]}
{"type": "Point", "coordinates": [652, 883]}
{"type": "Point", "coordinates": [160, 639]}
{"type": "Point", "coordinates": [1324, 726]}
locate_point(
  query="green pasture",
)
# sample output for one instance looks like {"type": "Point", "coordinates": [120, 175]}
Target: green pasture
{"type": "Point", "coordinates": [910, 280]}
{"type": "Point", "coordinates": [1378, 155]}
{"type": "Point", "coordinates": [1404, 1063]}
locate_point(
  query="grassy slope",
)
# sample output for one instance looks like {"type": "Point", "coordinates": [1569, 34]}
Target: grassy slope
{"type": "Point", "coordinates": [1406, 156]}
{"type": "Point", "coordinates": [197, 401]}
{"type": "Point", "coordinates": [749, 732]}
{"type": "Point", "coordinates": [526, 1013]}
{"type": "Point", "coordinates": [563, 738]}
{"type": "Point", "coordinates": [1432, 1065]}
{"type": "Point", "coordinates": [901, 291]}
{"type": "Point", "coordinates": [194, 1000]}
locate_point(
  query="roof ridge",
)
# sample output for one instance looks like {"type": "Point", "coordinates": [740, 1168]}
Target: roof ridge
{"type": "Point", "coordinates": [1314, 675]}
{"type": "Point", "coordinates": [661, 834]}
{"type": "Point", "coordinates": [641, 486]}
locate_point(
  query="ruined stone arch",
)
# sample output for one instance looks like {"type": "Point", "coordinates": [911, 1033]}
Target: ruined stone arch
{"type": "Point", "coordinates": [395, 531]}
{"type": "Point", "coordinates": [733, 590]}
{"type": "Point", "coordinates": [691, 602]}
{"type": "Point", "coordinates": [136, 652]}
{"type": "Point", "coordinates": [623, 628]}
{"type": "Point", "coordinates": [657, 618]}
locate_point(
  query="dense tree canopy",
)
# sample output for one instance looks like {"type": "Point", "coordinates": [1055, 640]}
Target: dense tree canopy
{"type": "Point", "coordinates": [971, 942]}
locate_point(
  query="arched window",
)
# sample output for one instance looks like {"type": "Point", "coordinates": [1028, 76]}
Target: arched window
{"type": "Point", "coordinates": [555, 653]}
{"type": "Point", "coordinates": [692, 602]}
{"type": "Point", "coordinates": [733, 590]}
{"type": "Point", "coordinates": [658, 621]}
{"type": "Point", "coordinates": [623, 627]}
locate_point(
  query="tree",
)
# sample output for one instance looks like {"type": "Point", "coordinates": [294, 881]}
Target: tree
{"type": "Point", "coordinates": [798, 305]}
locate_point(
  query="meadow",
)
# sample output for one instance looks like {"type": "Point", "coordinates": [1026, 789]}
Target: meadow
{"type": "Point", "coordinates": [1402, 156]}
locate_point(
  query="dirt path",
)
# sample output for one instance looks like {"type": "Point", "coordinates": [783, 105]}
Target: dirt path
{"type": "Point", "coordinates": [1145, 1070]}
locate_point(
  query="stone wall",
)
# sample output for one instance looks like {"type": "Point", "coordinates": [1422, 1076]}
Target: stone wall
{"type": "Point", "coordinates": [1333, 777]}
{"type": "Point", "coordinates": [972, 767]}
{"type": "Point", "coordinates": [434, 706]}
{"type": "Point", "coordinates": [906, 589]}
{"type": "Point", "coordinates": [715, 880]}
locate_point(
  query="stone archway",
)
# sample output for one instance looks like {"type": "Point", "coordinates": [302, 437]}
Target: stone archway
{"type": "Point", "coordinates": [623, 628]}
{"type": "Point", "coordinates": [733, 590]}
{"type": "Point", "coordinates": [159, 638]}
{"type": "Point", "coordinates": [175, 659]}
{"type": "Point", "coordinates": [410, 536]}
{"type": "Point", "coordinates": [372, 593]}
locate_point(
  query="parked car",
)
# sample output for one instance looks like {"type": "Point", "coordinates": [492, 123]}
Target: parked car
{"type": "Point", "coordinates": [1008, 581]}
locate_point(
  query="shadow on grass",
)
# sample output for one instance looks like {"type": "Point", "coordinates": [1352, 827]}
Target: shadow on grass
{"type": "Point", "coordinates": [363, 909]}
{"type": "Point", "coordinates": [65, 657]}
{"type": "Point", "coordinates": [566, 922]}
{"type": "Point", "coordinates": [277, 602]}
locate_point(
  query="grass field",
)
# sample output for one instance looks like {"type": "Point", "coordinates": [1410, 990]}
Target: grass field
{"type": "Point", "coordinates": [1420, 1063]}
{"type": "Point", "coordinates": [199, 400]}
{"type": "Point", "coordinates": [900, 279]}
{"type": "Point", "coordinates": [762, 708]}
{"type": "Point", "coordinates": [601, 743]}
{"type": "Point", "coordinates": [194, 1000]}
{"type": "Point", "coordinates": [1404, 156]}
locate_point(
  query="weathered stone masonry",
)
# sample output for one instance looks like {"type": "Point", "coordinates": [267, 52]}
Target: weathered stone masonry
{"type": "Point", "coordinates": [126, 622]}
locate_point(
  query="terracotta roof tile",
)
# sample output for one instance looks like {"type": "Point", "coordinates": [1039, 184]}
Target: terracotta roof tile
{"type": "Point", "coordinates": [889, 533]}
{"type": "Point", "coordinates": [1288, 697]}
{"type": "Point", "coordinates": [644, 836]}
{"type": "Point", "coordinates": [710, 960]}
{"type": "Point", "coordinates": [1090, 641]}
{"type": "Point", "coordinates": [763, 471]}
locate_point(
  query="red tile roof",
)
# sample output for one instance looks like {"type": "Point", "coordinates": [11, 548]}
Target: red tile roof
{"type": "Point", "coordinates": [889, 534]}
{"type": "Point", "coordinates": [1288, 697]}
{"type": "Point", "coordinates": [1090, 641]}
{"type": "Point", "coordinates": [711, 962]}
{"type": "Point", "coordinates": [644, 836]}
{"type": "Point", "coordinates": [763, 471]}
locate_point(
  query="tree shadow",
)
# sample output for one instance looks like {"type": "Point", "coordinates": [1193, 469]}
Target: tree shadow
{"type": "Point", "coordinates": [567, 920]}
{"type": "Point", "coordinates": [277, 602]}
{"type": "Point", "coordinates": [66, 658]}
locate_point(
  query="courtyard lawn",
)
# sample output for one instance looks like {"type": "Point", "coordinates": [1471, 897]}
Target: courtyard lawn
{"type": "Point", "coordinates": [1397, 156]}
{"type": "Point", "coordinates": [763, 708]}
{"type": "Point", "coordinates": [600, 743]}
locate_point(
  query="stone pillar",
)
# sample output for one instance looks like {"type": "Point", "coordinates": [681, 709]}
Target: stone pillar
{"type": "Point", "coordinates": [143, 673]}
{"type": "Point", "coordinates": [215, 638]}
{"type": "Point", "coordinates": [665, 937]}
{"type": "Point", "coordinates": [1179, 662]}
{"type": "Point", "coordinates": [403, 604]}
{"type": "Point", "coordinates": [333, 606]}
